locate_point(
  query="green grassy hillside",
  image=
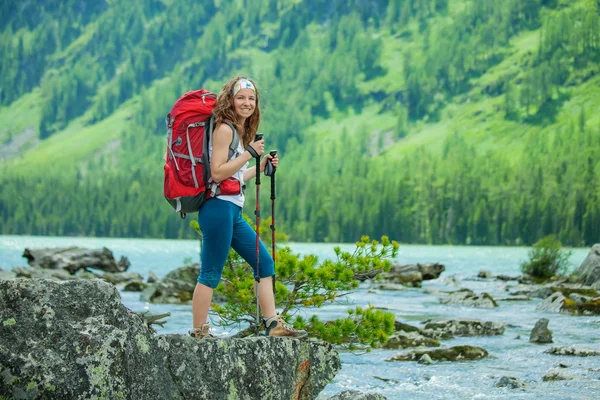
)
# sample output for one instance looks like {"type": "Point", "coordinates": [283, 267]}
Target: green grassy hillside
{"type": "Point", "coordinates": [445, 121]}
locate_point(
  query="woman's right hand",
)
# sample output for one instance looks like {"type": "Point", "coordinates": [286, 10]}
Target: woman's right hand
{"type": "Point", "coordinates": [258, 146]}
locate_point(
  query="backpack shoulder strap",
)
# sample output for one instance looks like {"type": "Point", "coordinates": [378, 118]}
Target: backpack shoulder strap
{"type": "Point", "coordinates": [235, 140]}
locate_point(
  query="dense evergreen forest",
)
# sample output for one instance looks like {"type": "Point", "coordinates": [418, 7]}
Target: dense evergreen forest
{"type": "Point", "coordinates": [431, 121]}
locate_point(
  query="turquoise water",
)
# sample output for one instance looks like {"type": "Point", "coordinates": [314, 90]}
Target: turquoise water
{"type": "Point", "coordinates": [366, 372]}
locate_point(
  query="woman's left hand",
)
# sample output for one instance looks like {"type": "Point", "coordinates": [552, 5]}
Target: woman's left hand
{"type": "Point", "coordinates": [274, 161]}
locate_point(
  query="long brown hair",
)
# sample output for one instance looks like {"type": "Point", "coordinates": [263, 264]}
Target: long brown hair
{"type": "Point", "coordinates": [225, 110]}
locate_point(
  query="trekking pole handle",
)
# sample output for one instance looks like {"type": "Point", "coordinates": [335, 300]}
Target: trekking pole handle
{"type": "Point", "coordinates": [272, 153]}
{"type": "Point", "coordinates": [258, 137]}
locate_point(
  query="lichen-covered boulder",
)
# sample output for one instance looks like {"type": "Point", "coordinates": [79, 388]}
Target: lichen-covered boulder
{"type": "Point", "coordinates": [74, 339]}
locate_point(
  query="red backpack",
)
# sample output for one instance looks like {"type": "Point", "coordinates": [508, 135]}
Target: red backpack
{"type": "Point", "coordinates": [190, 126]}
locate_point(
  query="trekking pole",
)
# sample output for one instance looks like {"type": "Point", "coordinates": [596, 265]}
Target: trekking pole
{"type": "Point", "coordinates": [257, 214]}
{"type": "Point", "coordinates": [270, 171]}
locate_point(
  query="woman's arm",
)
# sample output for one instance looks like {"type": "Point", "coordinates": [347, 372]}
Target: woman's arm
{"type": "Point", "coordinates": [220, 169]}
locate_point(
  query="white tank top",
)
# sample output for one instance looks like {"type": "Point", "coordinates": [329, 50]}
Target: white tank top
{"type": "Point", "coordinates": [237, 199]}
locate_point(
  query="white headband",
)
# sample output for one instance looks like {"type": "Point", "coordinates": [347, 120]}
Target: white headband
{"type": "Point", "coordinates": [243, 84]}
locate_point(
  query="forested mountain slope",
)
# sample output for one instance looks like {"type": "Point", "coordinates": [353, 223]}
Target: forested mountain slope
{"type": "Point", "coordinates": [432, 121]}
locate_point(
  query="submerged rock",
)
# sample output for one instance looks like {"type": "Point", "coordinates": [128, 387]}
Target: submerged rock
{"type": "Point", "coordinates": [556, 375]}
{"type": "Point", "coordinates": [540, 333]}
{"type": "Point", "coordinates": [72, 259]}
{"type": "Point", "coordinates": [446, 328]}
{"type": "Point", "coordinates": [510, 382]}
{"type": "Point", "coordinates": [456, 353]}
{"type": "Point", "coordinates": [74, 339]}
{"type": "Point", "coordinates": [357, 395]}
{"type": "Point", "coordinates": [573, 351]}
{"type": "Point", "coordinates": [466, 297]}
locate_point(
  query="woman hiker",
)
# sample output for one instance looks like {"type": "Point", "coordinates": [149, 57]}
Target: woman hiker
{"type": "Point", "coordinates": [220, 217]}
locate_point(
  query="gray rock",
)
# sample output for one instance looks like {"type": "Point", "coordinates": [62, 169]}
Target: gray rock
{"type": "Point", "coordinates": [456, 353]}
{"type": "Point", "coordinates": [152, 278]}
{"type": "Point", "coordinates": [554, 303]}
{"type": "Point", "coordinates": [573, 351]}
{"type": "Point", "coordinates": [357, 395]}
{"type": "Point", "coordinates": [466, 297]}
{"type": "Point", "coordinates": [74, 339]}
{"type": "Point", "coordinates": [40, 273]}
{"type": "Point", "coordinates": [413, 274]}
{"type": "Point", "coordinates": [589, 270]}
{"type": "Point", "coordinates": [135, 286]}
{"type": "Point", "coordinates": [75, 258]}
{"type": "Point", "coordinates": [510, 382]}
{"type": "Point", "coordinates": [117, 278]}
{"type": "Point", "coordinates": [390, 286]}
{"type": "Point", "coordinates": [177, 287]}
{"type": "Point", "coordinates": [540, 333]}
{"type": "Point", "coordinates": [444, 328]}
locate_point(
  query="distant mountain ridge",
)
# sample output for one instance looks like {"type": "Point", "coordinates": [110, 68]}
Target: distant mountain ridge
{"type": "Point", "coordinates": [444, 121]}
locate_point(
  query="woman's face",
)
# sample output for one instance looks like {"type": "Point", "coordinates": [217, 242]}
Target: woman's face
{"type": "Point", "coordinates": [244, 103]}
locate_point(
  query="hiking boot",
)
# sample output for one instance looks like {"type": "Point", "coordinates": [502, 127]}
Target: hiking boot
{"type": "Point", "coordinates": [276, 326]}
{"type": "Point", "coordinates": [202, 332]}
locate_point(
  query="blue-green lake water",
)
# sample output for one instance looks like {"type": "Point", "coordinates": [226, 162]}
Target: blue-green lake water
{"type": "Point", "coordinates": [510, 356]}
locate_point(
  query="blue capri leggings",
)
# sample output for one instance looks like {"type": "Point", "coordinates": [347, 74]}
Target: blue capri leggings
{"type": "Point", "coordinates": [223, 227]}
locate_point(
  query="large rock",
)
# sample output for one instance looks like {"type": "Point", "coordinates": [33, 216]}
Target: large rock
{"type": "Point", "coordinates": [74, 339]}
{"type": "Point", "coordinates": [589, 270]}
{"type": "Point", "coordinates": [413, 274]}
{"type": "Point", "coordinates": [466, 297]}
{"type": "Point", "coordinates": [456, 353]}
{"type": "Point", "coordinates": [444, 328]}
{"type": "Point", "coordinates": [75, 258]}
